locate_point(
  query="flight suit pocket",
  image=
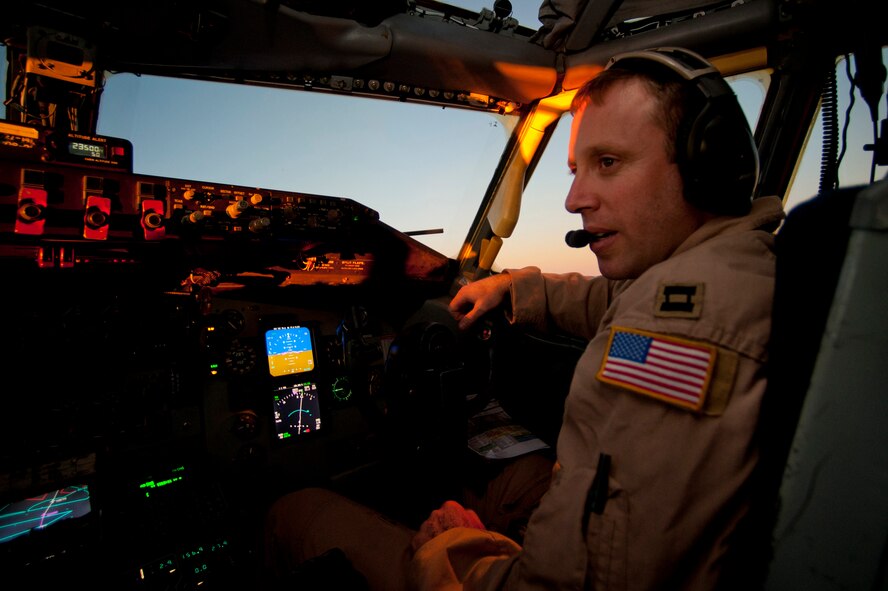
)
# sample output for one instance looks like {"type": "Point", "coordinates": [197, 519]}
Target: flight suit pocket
{"type": "Point", "coordinates": [606, 538]}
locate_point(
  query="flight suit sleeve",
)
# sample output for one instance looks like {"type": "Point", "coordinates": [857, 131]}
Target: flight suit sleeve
{"type": "Point", "coordinates": [568, 302]}
{"type": "Point", "coordinates": [463, 559]}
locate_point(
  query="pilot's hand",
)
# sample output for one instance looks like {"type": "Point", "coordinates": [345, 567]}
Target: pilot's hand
{"type": "Point", "coordinates": [474, 300]}
{"type": "Point", "coordinates": [451, 514]}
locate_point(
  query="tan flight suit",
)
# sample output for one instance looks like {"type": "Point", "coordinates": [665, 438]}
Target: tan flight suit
{"type": "Point", "coordinates": [668, 432]}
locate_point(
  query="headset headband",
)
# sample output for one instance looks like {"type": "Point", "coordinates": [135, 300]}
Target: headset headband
{"type": "Point", "coordinates": [715, 150]}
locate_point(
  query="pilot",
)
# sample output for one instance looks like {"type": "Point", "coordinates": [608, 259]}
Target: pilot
{"type": "Point", "coordinates": [657, 447]}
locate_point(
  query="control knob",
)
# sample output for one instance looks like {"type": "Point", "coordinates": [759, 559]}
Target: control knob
{"type": "Point", "coordinates": [237, 208]}
{"type": "Point", "coordinates": [95, 217]}
{"type": "Point", "coordinates": [152, 220]}
{"type": "Point", "coordinates": [260, 224]}
{"type": "Point", "coordinates": [30, 212]}
{"type": "Point", "coordinates": [193, 217]}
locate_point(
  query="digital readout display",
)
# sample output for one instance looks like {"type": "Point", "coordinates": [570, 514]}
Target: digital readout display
{"type": "Point", "coordinates": [88, 149]}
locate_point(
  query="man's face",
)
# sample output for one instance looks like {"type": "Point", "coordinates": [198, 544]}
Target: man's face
{"type": "Point", "coordinates": [625, 187]}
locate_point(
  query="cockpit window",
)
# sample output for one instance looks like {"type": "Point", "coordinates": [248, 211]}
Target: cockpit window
{"type": "Point", "coordinates": [855, 127]}
{"type": "Point", "coordinates": [423, 168]}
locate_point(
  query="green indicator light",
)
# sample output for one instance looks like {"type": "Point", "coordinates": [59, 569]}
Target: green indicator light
{"type": "Point", "coordinates": [169, 481]}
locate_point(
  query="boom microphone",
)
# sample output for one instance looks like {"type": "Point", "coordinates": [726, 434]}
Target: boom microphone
{"type": "Point", "coordinates": [578, 238]}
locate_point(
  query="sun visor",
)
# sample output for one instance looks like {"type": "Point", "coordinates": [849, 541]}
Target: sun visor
{"type": "Point", "coordinates": [249, 36]}
{"type": "Point", "coordinates": [255, 40]}
{"type": "Point", "coordinates": [437, 54]}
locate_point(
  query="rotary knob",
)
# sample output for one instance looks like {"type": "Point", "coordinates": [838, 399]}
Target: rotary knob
{"type": "Point", "coordinates": [95, 217]}
{"type": "Point", "coordinates": [152, 220]}
{"type": "Point", "coordinates": [30, 212]}
{"type": "Point", "coordinates": [245, 424]}
{"type": "Point", "coordinates": [237, 208]}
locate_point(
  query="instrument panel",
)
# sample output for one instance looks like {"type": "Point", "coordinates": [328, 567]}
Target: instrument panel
{"type": "Point", "coordinates": [186, 350]}
{"type": "Point", "coordinates": [68, 199]}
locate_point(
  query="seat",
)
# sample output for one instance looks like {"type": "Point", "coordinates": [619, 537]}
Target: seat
{"type": "Point", "coordinates": [826, 373]}
{"type": "Point", "coordinates": [832, 519]}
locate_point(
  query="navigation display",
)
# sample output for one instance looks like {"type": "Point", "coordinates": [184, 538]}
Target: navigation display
{"type": "Point", "coordinates": [297, 410]}
{"type": "Point", "coordinates": [41, 511]}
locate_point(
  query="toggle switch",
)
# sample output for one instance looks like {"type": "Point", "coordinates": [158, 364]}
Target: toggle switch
{"type": "Point", "coordinates": [97, 217]}
{"type": "Point", "coordinates": [152, 219]}
{"type": "Point", "coordinates": [30, 217]}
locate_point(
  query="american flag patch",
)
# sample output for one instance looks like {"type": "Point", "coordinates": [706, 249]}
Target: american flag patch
{"type": "Point", "coordinates": [670, 369]}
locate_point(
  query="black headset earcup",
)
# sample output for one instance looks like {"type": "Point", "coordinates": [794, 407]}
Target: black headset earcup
{"type": "Point", "coordinates": [720, 164]}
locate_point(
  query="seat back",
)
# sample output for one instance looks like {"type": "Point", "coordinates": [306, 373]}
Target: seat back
{"type": "Point", "coordinates": [810, 246]}
{"type": "Point", "coordinates": [832, 520]}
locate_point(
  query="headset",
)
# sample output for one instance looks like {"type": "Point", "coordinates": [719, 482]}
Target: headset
{"type": "Point", "coordinates": [715, 149]}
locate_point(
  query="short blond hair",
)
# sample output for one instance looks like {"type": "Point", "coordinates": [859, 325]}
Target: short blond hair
{"type": "Point", "coordinates": [671, 96]}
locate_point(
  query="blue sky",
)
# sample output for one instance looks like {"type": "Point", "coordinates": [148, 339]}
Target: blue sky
{"type": "Point", "coordinates": [526, 11]}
